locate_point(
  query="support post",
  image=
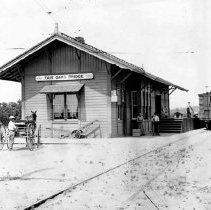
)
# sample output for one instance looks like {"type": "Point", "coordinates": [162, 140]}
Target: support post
{"type": "Point", "coordinates": [173, 89]}
{"type": "Point", "coordinates": [126, 77]}
{"type": "Point", "coordinates": [115, 75]}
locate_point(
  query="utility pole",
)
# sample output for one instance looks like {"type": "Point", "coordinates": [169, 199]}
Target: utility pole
{"type": "Point", "coordinates": [206, 87]}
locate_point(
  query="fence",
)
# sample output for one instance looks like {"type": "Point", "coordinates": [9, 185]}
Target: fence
{"type": "Point", "coordinates": [188, 124]}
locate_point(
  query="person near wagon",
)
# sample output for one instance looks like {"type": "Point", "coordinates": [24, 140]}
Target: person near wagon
{"type": "Point", "coordinates": [156, 121]}
{"type": "Point", "coordinates": [12, 128]}
{"type": "Point", "coordinates": [140, 120]}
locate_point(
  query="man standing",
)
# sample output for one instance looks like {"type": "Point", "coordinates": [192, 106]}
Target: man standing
{"type": "Point", "coordinates": [12, 129]}
{"type": "Point", "coordinates": [140, 120]}
{"type": "Point", "coordinates": [156, 120]}
{"type": "Point", "coordinates": [189, 110]}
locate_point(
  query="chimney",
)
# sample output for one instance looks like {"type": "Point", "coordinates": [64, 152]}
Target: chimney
{"type": "Point", "coordinates": [80, 39]}
{"type": "Point", "coordinates": [56, 29]}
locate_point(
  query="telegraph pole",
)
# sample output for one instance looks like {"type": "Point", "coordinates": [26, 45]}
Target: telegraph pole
{"type": "Point", "coordinates": [206, 86]}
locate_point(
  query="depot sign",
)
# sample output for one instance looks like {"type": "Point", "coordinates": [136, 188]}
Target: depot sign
{"type": "Point", "coordinates": [64, 77]}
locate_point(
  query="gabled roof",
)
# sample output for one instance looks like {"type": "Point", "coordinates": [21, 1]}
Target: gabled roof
{"type": "Point", "coordinates": [8, 68]}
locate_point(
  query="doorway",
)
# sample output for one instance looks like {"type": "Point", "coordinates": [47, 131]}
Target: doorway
{"type": "Point", "coordinates": [158, 105]}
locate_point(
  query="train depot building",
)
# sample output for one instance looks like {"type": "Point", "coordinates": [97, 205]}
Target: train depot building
{"type": "Point", "coordinates": [70, 83]}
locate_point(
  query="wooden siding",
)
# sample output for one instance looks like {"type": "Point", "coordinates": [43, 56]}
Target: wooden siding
{"type": "Point", "coordinates": [94, 97]}
{"type": "Point", "coordinates": [205, 106]}
{"type": "Point", "coordinates": [32, 99]}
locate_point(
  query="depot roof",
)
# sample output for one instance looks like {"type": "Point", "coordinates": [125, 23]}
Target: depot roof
{"type": "Point", "coordinates": [10, 71]}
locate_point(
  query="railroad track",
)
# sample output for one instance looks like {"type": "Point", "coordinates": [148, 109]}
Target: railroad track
{"type": "Point", "coordinates": [68, 189]}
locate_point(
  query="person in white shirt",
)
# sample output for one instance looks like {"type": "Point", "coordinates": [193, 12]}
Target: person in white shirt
{"type": "Point", "coordinates": [156, 120]}
{"type": "Point", "coordinates": [12, 129]}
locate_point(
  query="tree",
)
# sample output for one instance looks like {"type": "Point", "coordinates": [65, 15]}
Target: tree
{"type": "Point", "coordinates": [8, 109]}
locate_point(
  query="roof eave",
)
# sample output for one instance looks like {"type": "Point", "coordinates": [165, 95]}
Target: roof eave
{"type": "Point", "coordinates": [89, 49]}
{"type": "Point", "coordinates": [27, 53]}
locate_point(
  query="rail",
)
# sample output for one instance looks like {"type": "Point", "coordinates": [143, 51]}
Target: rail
{"type": "Point", "coordinates": [107, 170]}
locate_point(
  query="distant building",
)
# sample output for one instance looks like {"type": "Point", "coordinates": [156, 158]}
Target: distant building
{"type": "Point", "coordinates": [178, 115]}
{"type": "Point", "coordinates": [205, 106]}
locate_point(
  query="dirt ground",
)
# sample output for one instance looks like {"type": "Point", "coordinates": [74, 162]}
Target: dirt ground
{"type": "Point", "coordinates": [176, 177]}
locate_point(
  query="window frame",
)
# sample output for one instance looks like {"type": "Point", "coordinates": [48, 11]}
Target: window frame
{"type": "Point", "coordinates": [65, 119]}
{"type": "Point", "coordinates": [132, 103]}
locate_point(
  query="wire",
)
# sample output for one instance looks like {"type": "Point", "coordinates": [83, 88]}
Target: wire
{"type": "Point", "coordinates": [16, 48]}
{"type": "Point", "coordinates": [48, 12]}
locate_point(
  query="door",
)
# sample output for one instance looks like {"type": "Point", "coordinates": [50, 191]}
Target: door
{"type": "Point", "coordinates": [123, 113]}
{"type": "Point", "coordinates": [158, 105]}
{"type": "Point", "coordinates": [120, 114]}
{"type": "Point", "coordinates": [127, 114]}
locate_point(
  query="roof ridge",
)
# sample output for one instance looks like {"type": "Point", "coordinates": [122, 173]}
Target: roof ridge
{"type": "Point", "coordinates": [103, 52]}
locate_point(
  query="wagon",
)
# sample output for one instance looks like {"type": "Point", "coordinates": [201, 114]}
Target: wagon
{"type": "Point", "coordinates": [25, 129]}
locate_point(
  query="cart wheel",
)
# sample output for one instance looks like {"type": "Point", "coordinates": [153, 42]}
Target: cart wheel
{"type": "Point", "coordinates": [38, 136]}
{"type": "Point", "coordinates": [2, 140]}
{"type": "Point", "coordinates": [76, 134]}
{"type": "Point", "coordinates": [30, 136]}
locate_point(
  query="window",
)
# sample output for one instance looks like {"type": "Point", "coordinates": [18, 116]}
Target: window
{"type": "Point", "coordinates": [134, 100]}
{"type": "Point", "coordinates": [65, 106]}
{"type": "Point", "coordinates": [58, 107]}
{"type": "Point", "coordinates": [72, 106]}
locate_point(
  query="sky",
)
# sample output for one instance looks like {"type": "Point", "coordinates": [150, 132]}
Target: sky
{"type": "Point", "coordinates": [170, 38]}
